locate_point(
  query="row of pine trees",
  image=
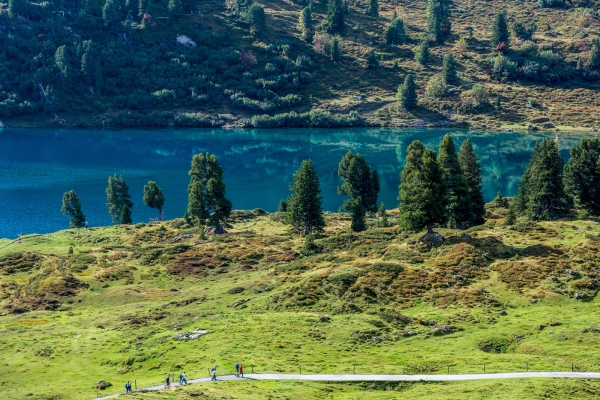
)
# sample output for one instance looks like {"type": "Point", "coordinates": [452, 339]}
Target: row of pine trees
{"type": "Point", "coordinates": [442, 189]}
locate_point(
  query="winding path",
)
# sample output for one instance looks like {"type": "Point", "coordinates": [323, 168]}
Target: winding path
{"type": "Point", "coordinates": [366, 378]}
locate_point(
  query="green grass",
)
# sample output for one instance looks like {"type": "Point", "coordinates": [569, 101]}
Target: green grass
{"type": "Point", "coordinates": [119, 330]}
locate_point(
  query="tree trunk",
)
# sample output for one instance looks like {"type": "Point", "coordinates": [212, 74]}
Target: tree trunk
{"type": "Point", "coordinates": [429, 228]}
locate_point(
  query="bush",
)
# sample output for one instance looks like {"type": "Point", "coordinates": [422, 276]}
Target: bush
{"type": "Point", "coordinates": [477, 97]}
{"type": "Point", "coordinates": [311, 119]}
{"type": "Point", "coordinates": [193, 120]}
{"type": "Point", "coordinates": [550, 3]}
{"type": "Point", "coordinates": [436, 87]}
{"type": "Point", "coordinates": [395, 32]}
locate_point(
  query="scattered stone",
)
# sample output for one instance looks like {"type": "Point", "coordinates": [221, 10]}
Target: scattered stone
{"type": "Point", "coordinates": [554, 279]}
{"type": "Point", "coordinates": [177, 327]}
{"type": "Point", "coordinates": [533, 300]}
{"type": "Point", "coordinates": [190, 335]}
{"type": "Point", "coordinates": [325, 318]}
{"type": "Point", "coordinates": [180, 237]}
{"type": "Point", "coordinates": [235, 290]}
{"type": "Point", "coordinates": [239, 304]}
{"type": "Point", "coordinates": [378, 339]}
{"type": "Point", "coordinates": [408, 334]}
{"type": "Point", "coordinates": [502, 312]}
{"type": "Point", "coordinates": [578, 296]}
{"type": "Point", "coordinates": [443, 330]}
{"type": "Point", "coordinates": [594, 330]}
{"type": "Point", "coordinates": [103, 385]}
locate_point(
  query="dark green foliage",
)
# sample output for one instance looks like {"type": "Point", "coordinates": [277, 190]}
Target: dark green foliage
{"type": "Point", "coordinates": [335, 50]}
{"type": "Point", "coordinates": [125, 216]}
{"type": "Point", "coordinates": [372, 61]}
{"type": "Point", "coordinates": [438, 19]}
{"type": "Point", "coordinates": [594, 56]}
{"type": "Point", "coordinates": [313, 119]}
{"type": "Point", "coordinates": [282, 207]}
{"type": "Point", "coordinates": [407, 93]}
{"type": "Point", "coordinates": [112, 13]}
{"type": "Point", "coordinates": [305, 211]}
{"type": "Point", "coordinates": [206, 191]}
{"type": "Point", "coordinates": [472, 174]}
{"type": "Point", "coordinates": [143, 7]}
{"type": "Point", "coordinates": [381, 213]}
{"type": "Point", "coordinates": [305, 24]}
{"type": "Point", "coordinates": [550, 3]}
{"type": "Point", "coordinates": [310, 247]}
{"type": "Point", "coordinates": [582, 176]}
{"type": "Point", "coordinates": [422, 53]}
{"type": "Point", "coordinates": [16, 8]}
{"type": "Point", "coordinates": [359, 182]}
{"type": "Point", "coordinates": [422, 190]}
{"type": "Point", "coordinates": [395, 33]}
{"type": "Point", "coordinates": [256, 16]}
{"type": "Point", "coordinates": [449, 69]}
{"type": "Point", "coordinates": [500, 39]}
{"type": "Point", "coordinates": [372, 8]}
{"type": "Point", "coordinates": [154, 198]}
{"type": "Point", "coordinates": [355, 205]}
{"type": "Point", "coordinates": [511, 215]}
{"type": "Point", "coordinates": [117, 195]}
{"type": "Point", "coordinates": [71, 206]}
{"type": "Point", "coordinates": [458, 206]}
{"type": "Point", "coordinates": [175, 8]}
{"type": "Point", "coordinates": [541, 194]}
{"type": "Point", "coordinates": [522, 31]}
{"type": "Point", "coordinates": [335, 16]}
{"type": "Point", "coordinates": [500, 200]}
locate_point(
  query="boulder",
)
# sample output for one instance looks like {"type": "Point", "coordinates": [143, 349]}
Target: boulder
{"type": "Point", "coordinates": [103, 385]}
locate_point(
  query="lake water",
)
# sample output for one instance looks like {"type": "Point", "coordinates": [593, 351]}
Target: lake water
{"type": "Point", "coordinates": [38, 165]}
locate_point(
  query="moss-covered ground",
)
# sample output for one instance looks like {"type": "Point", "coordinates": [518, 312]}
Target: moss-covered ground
{"type": "Point", "coordinates": [508, 297]}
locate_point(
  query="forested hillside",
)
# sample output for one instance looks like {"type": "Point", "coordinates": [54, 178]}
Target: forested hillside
{"type": "Point", "coordinates": [495, 65]}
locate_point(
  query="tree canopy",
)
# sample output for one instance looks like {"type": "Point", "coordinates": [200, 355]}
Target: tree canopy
{"type": "Point", "coordinates": [304, 206]}
{"type": "Point", "coordinates": [71, 206]}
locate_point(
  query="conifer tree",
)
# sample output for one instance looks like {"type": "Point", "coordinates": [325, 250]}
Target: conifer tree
{"type": "Point", "coordinates": [335, 50]}
{"type": "Point", "coordinates": [361, 185]}
{"type": "Point", "coordinates": [395, 33]}
{"type": "Point", "coordinates": [449, 69]}
{"type": "Point", "coordinates": [126, 215]}
{"type": "Point", "coordinates": [458, 207]}
{"type": "Point", "coordinates": [304, 209]}
{"type": "Point", "coordinates": [16, 8]}
{"type": "Point", "coordinates": [472, 174]}
{"type": "Point", "coordinates": [175, 9]}
{"type": "Point", "coordinates": [422, 190]}
{"type": "Point", "coordinates": [582, 176]}
{"type": "Point", "coordinates": [335, 16]}
{"type": "Point", "coordinates": [500, 200]}
{"type": "Point", "coordinates": [407, 93]}
{"type": "Point", "coordinates": [500, 39]}
{"type": "Point", "coordinates": [541, 192]}
{"type": "Point", "coordinates": [206, 192]}
{"type": "Point", "coordinates": [594, 55]}
{"type": "Point", "coordinates": [438, 19]}
{"type": "Point", "coordinates": [372, 8]}
{"type": "Point", "coordinates": [422, 53]}
{"type": "Point", "coordinates": [117, 195]}
{"type": "Point", "coordinates": [154, 198]}
{"type": "Point", "coordinates": [372, 61]}
{"type": "Point", "coordinates": [71, 206]}
{"type": "Point", "coordinates": [381, 213]}
{"type": "Point", "coordinates": [111, 12]}
{"type": "Point", "coordinates": [511, 215]}
{"type": "Point", "coordinates": [305, 24]}
{"type": "Point", "coordinates": [358, 223]}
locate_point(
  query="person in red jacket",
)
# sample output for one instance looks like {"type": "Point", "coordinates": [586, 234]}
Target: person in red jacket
{"type": "Point", "coordinates": [241, 370]}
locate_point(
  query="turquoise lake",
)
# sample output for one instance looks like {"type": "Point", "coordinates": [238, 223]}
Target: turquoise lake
{"type": "Point", "coordinates": [38, 165]}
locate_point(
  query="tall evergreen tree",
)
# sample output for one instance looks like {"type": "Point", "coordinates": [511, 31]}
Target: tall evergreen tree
{"type": "Point", "coordinates": [358, 223]}
{"type": "Point", "coordinates": [112, 13]}
{"type": "Point", "coordinates": [372, 61]}
{"type": "Point", "coordinates": [438, 19]}
{"type": "Point", "coordinates": [335, 50]}
{"type": "Point", "coordinates": [541, 192]}
{"type": "Point", "coordinates": [175, 8]}
{"type": "Point", "coordinates": [335, 16]}
{"type": "Point", "coordinates": [372, 8]}
{"type": "Point", "coordinates": [206, 192]}
{"type": "Point", "coordinates": [422, 53]}
{"type": "Point", "coordinates": [71, 206]}
{"type": "Point", "coordinates": [126, 215]}
{"type": "Point", "coordinates": [472, 174]}
{"type": "Point", "coordinates": [582, 176]}
{"type": "Point", "coordinates": [395, 33]}
{"type": "Point", "coordinates": [304, 208]}
{"type": "Point", "coordinates": [407, 93]}
{"type": "Point", "coordinates": [154, 198]}
{"type": "Point", "coordinates": [117, 195]}
{"type": "Point", "coordinates": [305, 24]}
{"type": "Point", "coordinates": [449, 69]}
{"type": "Point", "coordinates": [422, 190]}
{"type": "Point", "coordinates": [500, 39]}
{"type": "Point", "coordinates": [457, 191]}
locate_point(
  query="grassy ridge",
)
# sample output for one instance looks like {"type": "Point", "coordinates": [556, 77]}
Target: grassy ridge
{"type": "Point", "coordinates": [126, 290]}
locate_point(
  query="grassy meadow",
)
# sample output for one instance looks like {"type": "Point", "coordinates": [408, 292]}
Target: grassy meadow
{"type": "Point", "coordinates": [508, 297]}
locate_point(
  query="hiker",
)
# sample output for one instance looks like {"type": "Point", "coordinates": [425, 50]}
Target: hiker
{"type": "Point", "coordinates": [128, 387]}
{"type": "Point", "coordinates": [182, 379]}
{"type": "Point", "coordinates": [241, 371]}
{"type": "Point", "coordinates": [214, 374]}
{"type": "Point", "coordinates": [237, 369]}
{"type": "Point", "coordinates": [168, 381]}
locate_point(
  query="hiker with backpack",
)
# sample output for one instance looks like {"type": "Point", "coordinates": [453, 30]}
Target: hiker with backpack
{"type": "Point", "coordinates": [214, 374]}
{"type": "Point", "coordinates": [182, 379]}
{"type": "Point", "coordinates": [237, 369]}
{"type": "Point", "coordinates": [128, 387]}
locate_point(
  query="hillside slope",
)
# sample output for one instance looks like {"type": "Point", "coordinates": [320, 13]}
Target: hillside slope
{"type": "Point", "coordinates": [67, 64]}
{"type": "Point", "coordinates": [510, 297]}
